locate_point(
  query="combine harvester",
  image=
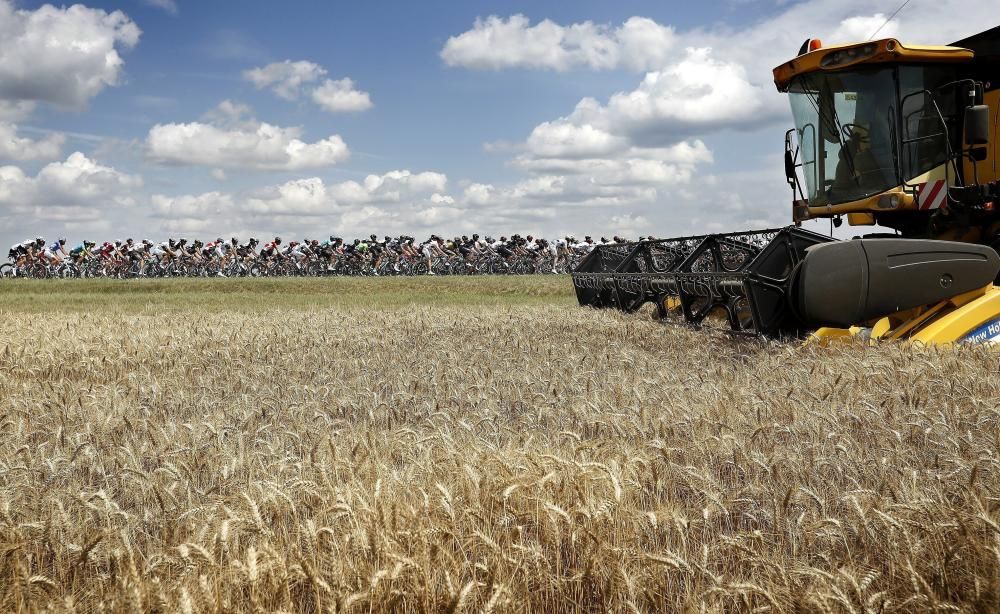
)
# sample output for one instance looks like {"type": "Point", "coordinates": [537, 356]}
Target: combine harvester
{"type": "Point", "coordinates": [902, 136]}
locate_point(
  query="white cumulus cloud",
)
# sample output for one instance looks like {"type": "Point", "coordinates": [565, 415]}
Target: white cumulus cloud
{"type": "Point", "coordinates": [64, 56]}
{"type": "Point", "coordinates": [289, 79]}
{"type": "Point", "coordinates": [76, 190]}
{"type": "Point", "coordinates": [313, 196]}
{"type": "Point", "coordinates": [285, 78]}
{"type": "Point", "coordinates": [394, 202]}
{"type": "Point", "coordinates": [227, 140]}
{"type": "Point", "coordinates": [341, 96]}
{"type": "Point", "coordinates": [494, 43]}
{"type": "Point", "coordinates": [18, 148]}
{"type": "Point", "coordinates": [697, 94]}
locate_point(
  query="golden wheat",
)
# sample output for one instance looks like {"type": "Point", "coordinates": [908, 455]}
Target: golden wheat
{"type": "Point", "coordinates": [485, 458]}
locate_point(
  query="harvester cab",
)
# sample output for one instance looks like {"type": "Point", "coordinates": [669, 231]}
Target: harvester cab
{"type": "Point", "coordinates": [898, 135]}
{"type": "Point", "coordinates": [903, 136]}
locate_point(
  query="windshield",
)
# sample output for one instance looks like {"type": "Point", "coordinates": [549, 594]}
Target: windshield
{"type": "Point", "coordinates": [845, 123]}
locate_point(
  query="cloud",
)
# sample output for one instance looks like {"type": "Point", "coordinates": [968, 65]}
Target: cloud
{"type": "Point", "coordinates": [76, 190]}
{"type": "Point", "coordinates": [167, 5]}
{"type": "Point", "coordinates": [15, 110]}
{"type": "Point", "coordinates": [14, 147]}
{"type": "Point", "coordinates": [695, 95]}
{"type": "Point", "coordinates": [396, 201]}
{"type": "Point", "coordinates": [566, 139]}
{"type": "Point", "coordinates": [64, 56]}
{"type": "Point", "coordinates": [495, 43]}
{"type": "Point", "coordinates": [230, 140]}
{"type": "Point", "coordinates": [340, 96]}
{"type": "Point", "coordinates": [285, 78]}
{"type": "Point", "coordinates": [312, 196]}
{"type": "Point", "coordinates": [191, 213]}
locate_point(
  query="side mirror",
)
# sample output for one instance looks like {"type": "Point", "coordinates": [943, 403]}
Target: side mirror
{"type": "Point", "coordinates": [977, 125]}
{"type": "Point", "coordinates": [789, 167]}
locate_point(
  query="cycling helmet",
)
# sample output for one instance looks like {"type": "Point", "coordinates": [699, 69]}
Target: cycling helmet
{"type": "Point", "coordinates": [373, 237]}
{"type": "Point", "coordinates": [40, 241]}
{"type": "Point", "coordinates": [277, 240]}
{"type": "Point", "coordinates": [62, 241]}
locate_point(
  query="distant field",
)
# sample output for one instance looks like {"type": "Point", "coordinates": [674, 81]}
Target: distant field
{"type": "Point", "coordinates": [281, 293]}
{"type": "Point", "coordinates": [476, 444]}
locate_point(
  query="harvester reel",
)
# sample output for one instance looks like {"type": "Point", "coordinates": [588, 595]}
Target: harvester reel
{"type": "Point", "coordinates": [743, 275]}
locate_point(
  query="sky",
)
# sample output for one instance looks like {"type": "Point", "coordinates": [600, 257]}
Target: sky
{"type": "Point", "coordinates": [169, 118]}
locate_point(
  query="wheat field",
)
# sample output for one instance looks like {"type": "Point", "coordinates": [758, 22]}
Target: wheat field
{"type": "Point", "coordinates": [475, 446]}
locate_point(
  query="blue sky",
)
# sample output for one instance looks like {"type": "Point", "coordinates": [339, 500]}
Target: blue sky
{"type": "Point", "coordinates": [448, 129]}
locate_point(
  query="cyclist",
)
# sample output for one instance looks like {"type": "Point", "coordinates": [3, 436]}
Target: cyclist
{"type": "Point", "coordinates": [272, 249]}
{"type": "Point", "coordinates": [81, 253]}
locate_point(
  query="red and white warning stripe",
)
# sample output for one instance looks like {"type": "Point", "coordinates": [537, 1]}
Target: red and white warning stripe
{"type": "Point", "coordinates": [932, 195]}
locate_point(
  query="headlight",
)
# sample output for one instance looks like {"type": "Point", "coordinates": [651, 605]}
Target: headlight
{"type": "Point", "coordinates": [847, 56]}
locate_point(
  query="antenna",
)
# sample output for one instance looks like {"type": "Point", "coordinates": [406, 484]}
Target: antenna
{"type": "Point", "coordinates": [888, 20]}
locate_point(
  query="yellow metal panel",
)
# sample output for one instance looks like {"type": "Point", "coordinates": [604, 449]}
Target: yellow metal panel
{"type": "Point", "coordinates": [889, 50]}
{"type": "Point", "coordinates": [955, 325]}
{"type": "Point", "coordinates": [907, 198]}
{"type": "Point", "coordinates": [860, 219]}
{"type": "Point", "coordinates": [881, 328]}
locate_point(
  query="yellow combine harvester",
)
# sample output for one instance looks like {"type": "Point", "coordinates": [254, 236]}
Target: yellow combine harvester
{"type": "Point", "coordinates": [898, 135]}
